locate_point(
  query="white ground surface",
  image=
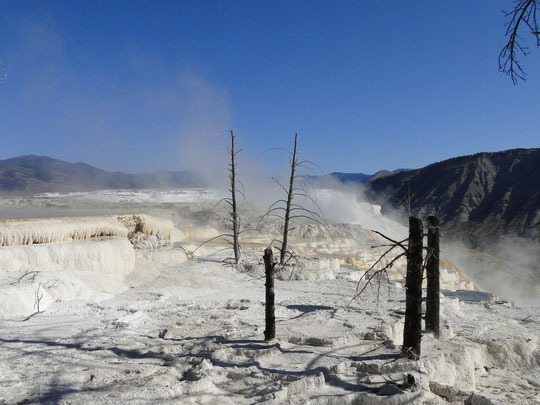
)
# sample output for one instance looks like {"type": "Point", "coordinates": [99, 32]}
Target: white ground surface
{"type": "Point", "coordinates": [211, 322]}
{"type": "Point", "coordinates": [124, 325]}
{"type": "Point", "coordinates": [136, 196]}
{"type": "Point", "coordinates": [36, 231]}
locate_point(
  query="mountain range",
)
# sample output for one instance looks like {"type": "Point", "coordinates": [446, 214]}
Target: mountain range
{"type": "Point", "coordinates": [478, 196]}
{"type": "Point", "coordinates": [33, 174]}
{"type": "Point", "coordinates": [329, 180]}
{"type": "Point", "coordinates": [481, 196]}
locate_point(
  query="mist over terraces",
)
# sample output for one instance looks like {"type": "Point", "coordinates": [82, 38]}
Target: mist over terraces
{"type": "Point", "coordinates": [478, 197]}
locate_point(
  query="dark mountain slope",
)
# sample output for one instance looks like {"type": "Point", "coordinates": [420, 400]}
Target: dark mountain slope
{"type": "Point", "coordinates": [31, 174]}
{"type": "Point", "coordinates": [486, 194]}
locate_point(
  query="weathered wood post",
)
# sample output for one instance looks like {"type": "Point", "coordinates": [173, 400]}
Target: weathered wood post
{"type": "Point", "coordinates": [432, 270]}
{"type": "Point", "coordinates": [412, 333]}
{"type": "Point", "coordinates": [270, 330]}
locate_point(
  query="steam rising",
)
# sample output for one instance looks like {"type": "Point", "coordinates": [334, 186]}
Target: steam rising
{"type": "Point", "coordinates": [92, 123]}
{"type": "Point", "coordinates": [512, 272]}
{"type": "Point", "coordinates": [347, 205]}
{"type": "Point", "coordinates": [203, 132]}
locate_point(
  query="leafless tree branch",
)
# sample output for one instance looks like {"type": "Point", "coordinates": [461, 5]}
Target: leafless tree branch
{"type": "Point", "coordinates": [524, 13]}
{"type": "Point", "coordinates": [400, 244]}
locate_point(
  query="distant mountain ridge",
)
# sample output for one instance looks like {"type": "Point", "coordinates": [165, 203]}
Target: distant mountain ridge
{"type": "Point", "coordinates": [344, 178]}
{"type": "Point", "coordinates": [478, 196]}
{"type": "Point", "coordinates": [33, 174]}
{"type": "Point", "coordinates": [481, 195]}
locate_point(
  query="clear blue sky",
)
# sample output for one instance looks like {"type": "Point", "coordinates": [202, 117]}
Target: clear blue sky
{"type": "Point", "coordinates": [368, 85]}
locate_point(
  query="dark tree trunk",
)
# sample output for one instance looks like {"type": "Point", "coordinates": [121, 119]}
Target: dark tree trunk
{"type": "Point", "coordinates": [288, 207]}
{"type": "Point", "coordinates": [412, 332]}
{"type": "Point", "coordinates": [432, 270]}
{"type": "Point", "coordinates": [234, 216]}
{"type": "Point", "coordinates": [270, 331]}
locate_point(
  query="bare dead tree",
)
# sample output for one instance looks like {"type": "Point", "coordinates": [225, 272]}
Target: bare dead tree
{"type": "Point", "coordinates": [522, 16]}
{"type": "Point", "coordinates": [234, 215]}
{"type": "Point", "coordinates": [38, 296]}
{"type": "Point", "coordinates": [409, 196]}
{"type": "Point", "coordinates": [412, 332]}
{"type": "Point", "coordinates": [287, 210]}
{"type": "Point", "coordinates": [28, 273]}
{"type": "Point", "coordinates": [372, 273]}
{"type": "Point", "coordinates": [290, 196]}
{"type": "Point", "coordinates": [270, 309]}
{"type": "Point", "coordinates": [405, 202]}
{"type": "Point", "coordinates": [416, 262]}
{"type": "Point", "coordinates": [232, 238]}
{"type": "Point", "coordinates": [432, 272]}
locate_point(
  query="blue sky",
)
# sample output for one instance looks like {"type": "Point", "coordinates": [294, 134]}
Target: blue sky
{"type": "Point", "coordinates": [368, 85]}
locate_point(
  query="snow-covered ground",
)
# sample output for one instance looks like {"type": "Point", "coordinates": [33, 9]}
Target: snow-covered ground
{"type": "Point", "coordinates": [172, 323]}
